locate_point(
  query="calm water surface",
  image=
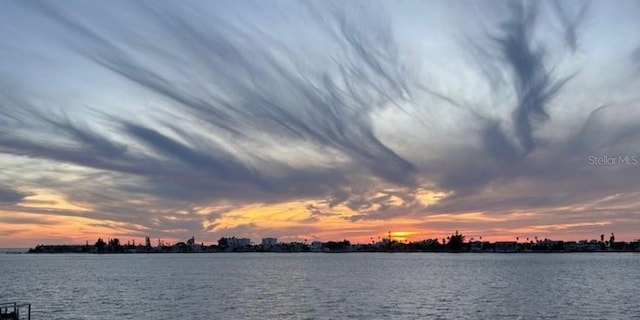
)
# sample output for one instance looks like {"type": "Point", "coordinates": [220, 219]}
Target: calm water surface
{"type": "Point", "coordinates": [325, 286]}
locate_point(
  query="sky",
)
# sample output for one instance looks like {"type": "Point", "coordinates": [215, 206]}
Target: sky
{"type": "Point", "coordinates": [318, 120]}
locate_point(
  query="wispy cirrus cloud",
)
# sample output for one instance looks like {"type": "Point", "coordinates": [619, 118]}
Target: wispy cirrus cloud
{"type": "Point", "coordinates": [337, 106]}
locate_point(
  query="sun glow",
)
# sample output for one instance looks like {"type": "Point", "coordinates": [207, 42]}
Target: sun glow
{"type": "Point", "coordinates": [402, 236]}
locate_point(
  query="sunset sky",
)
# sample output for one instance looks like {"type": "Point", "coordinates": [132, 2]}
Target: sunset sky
{"type": "Point", "coordinates": [318, 120]}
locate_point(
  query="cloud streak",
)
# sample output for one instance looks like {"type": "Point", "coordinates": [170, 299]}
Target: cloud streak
{"type": "Point", "coordinates": [571, 22]}
{"type": "Point", "coordinates": [534, 85]}
{"type": "Point", "coordinates": [291, 102]}
{"type": "Point", "coordinates": [10, 196]}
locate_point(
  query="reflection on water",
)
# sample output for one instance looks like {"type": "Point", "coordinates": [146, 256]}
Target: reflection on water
{"type": "Point", "coordinates": [325, 286]}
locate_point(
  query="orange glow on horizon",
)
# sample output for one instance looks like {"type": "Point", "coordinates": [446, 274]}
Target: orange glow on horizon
{"type": "Point", "coordinates": [49, 218]}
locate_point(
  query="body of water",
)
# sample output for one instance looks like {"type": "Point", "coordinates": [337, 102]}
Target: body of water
{"type": "Point", "coordinates": [324, 286]}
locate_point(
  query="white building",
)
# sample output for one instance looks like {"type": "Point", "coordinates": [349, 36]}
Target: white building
{"type": "Point", "coordinates": [238, 242]}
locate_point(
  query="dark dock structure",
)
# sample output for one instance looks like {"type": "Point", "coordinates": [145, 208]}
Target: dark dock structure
{"type": "Point", "coordinates": [15, 311]}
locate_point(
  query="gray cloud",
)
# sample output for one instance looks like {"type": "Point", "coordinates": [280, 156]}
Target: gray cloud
{"type": "Point", "coordinates": [611, 130]}
{"type": "Point", "coordinates": [291, 102]}
{"type": "Point", "coordinates": [10, 196]}
{"type": "Point", "coordinates": [28, 220]}
{"type": "Point", "coordinates": [513, 62]}
{"type": "Point", "coordinates": [570, 21]}
{"type": "Point", "coordinates": [533, 84]}
{"type": "Point", "coordinates": [635, 57]}
{"type": "Point", "coordinates": [316, 212]}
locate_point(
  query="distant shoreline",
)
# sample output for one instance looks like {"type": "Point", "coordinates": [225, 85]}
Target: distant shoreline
{"type": "Point", "coordinates": [454, 244]}
{"type": "Point", "coordinates": [14, 250]}
{"type": "Point", "coordinates": [69, 249]}
{"type": "Point", "coordinates": [329, 252]}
